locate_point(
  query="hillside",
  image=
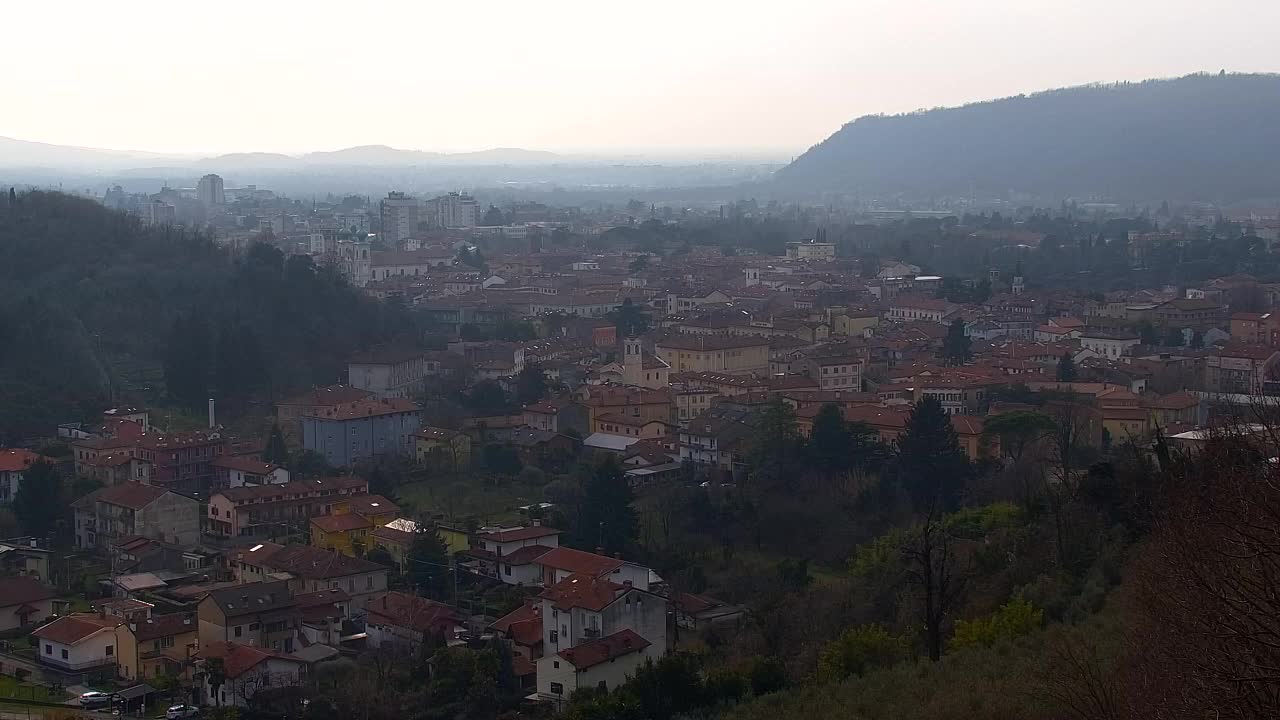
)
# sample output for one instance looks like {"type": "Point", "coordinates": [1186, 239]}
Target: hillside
{"type": "Point", "coordinates": [96, 304]}
{"type": "Point", "coordinates": [1199, 137]}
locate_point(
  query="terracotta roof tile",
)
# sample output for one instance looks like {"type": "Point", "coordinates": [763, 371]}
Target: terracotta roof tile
{"type": "Point", "coordinates": [609, 647]}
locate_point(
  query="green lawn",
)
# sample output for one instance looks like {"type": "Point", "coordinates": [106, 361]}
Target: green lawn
{"type": "Point", "coordinates": [469, 497]}
{"type": "Point", "coordinates": [11, 688]}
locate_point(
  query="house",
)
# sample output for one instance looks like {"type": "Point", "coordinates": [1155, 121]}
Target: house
{"type": "Point", "coordinates": [836, 372]}
{"type": "Point", "coordinates": [404, 621]}
{"type": "Point", "coordinates": [341, 533]}
{"type": "Point", "coordinates": [717, 439]}
{"type": "Point", "coordinates": [289, 413]}
{"type": "Point", "coordinates": [263, 614]}
{"type": "Point", "coordinates": [912, 307]}
{"type": "Point", "coordinates": [109, 513]}
{"type": "Point", "coordinates": [561, 562]}
{"type": "Point", "coordinates": [522, 630]}
{"type": "Point", "coordinates": [442, 447]}
{"type": "Point", "coordinates": [93, 643]}
{"type": "Point", "coordinates": [246, 671]}
{"type": "Point", "coordinates": [323, 615]}
{"type": "Point", "coordinates": [274, 510]}
{"type": "Point", "coordinates": [542, 447]}
{"type": "Point", "coordinates": [1179, 407]}
{"type": "Point", "coordinates": [182, 462]}
{"type": "Point", "coordinates": [310, 569]}
{"type": "Point", "coordinates": [13, 463]}
{"type": "Point", "coordinates": [114, 468]}
{"type": "Point", "coordinates": [166, 644]}
{"type": "Point", "coordinates": [24, 556]}
{"type": "Point", "coordinates": [237, 471]}
{"type": "Point", "coordinates": [1262, 328]}
{"type": "Point", "coordinates": [603, 663]}
{"type": "Point", "coordinates": [23, 602]}
{"type": "Point", "coordinates": [1181, 313]}
{"type": "Point", "coordinates": [388, 374]}
{"type": "Point", "coordinates": [558, 416]}
{"type": "Point", "coordinates": [1241, 368]}
{"type": "Point", "coordinates": [695, 612]}
{"type": "Point", "coordinates": [362, 429]}
{"type": "Point", "coordinates": [1109, 345]}
{"type": "Point", "coordinates": [511, 554]}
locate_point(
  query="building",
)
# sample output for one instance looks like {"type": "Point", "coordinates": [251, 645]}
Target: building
{"type": "Point", "coordinates": [182, 462]}
{"type": "Point", "coordinates": [714, 353]}
{"type": "Point", "coordinates": [400, 215]}
{"type": "Point", "coordinates": [262, 614]}
{"type": "Point", "coordinates": [13, 463]}
{"type": "Point", "coordinates": [268, 511]}
{"type": "Point", "coordinates": [347, 529]}
{"type": "Point", "coordinates": [408, 263]}
{"type": "Point", "coordinates": [811, 250]}
{"type": "Point", "coordinates": [510, 554]}
{"type": "Point", "coordinates": [561, 562]}
{"type": "Point", "coordinates": [1262, 328]}
{"type": "Point", "coordinates": [119, 511]}
{"type": "Point", "coordinates": [907, 307]}
{"type": "Point", "coordinates": [443, 447]}
{"type": "Point", "coordinates": [602, 664]}
{"type": "Point", "coordinates": [1241, 368]}
{"type": "Point", "coordinates": [24, 601]}
{"type": "Point", "coordinates": [88, 643]}
{"type": "Point", "coordinates": [835, 373]}
{"type": "Point", "coordinates": [403, 621]}
{"type": "Point", "coordinates": [386, 374]}
{"type": "Point", "coordinates": [166, 644]}
{"type": "Point", "coordinates": [1181, 313]}
{"type": "Point", "coordinates": [310, 569]}
{"type": "Point", "coordinates": [454, 210]}
{"type": "Point", "coordinates": [246, 671]}
{"type": "Point", "coordinates": [362, 430]}
{"type": "Point", "coordinates": [1109, 345]}
{"type": "Point", "coordinates": [210, 191]}
{"type": "Point", "coordinates": [236, 471]}
{"type": "Point", "coordinates": [289, 413]}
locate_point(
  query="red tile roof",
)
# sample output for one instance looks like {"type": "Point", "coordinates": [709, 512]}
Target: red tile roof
{"type": "Point", "coordinates": [132, 495]}
{"type": "Point", "coordinates": [413, 612]}
{"type": "Point", "coordinates": [517, 534]}
{"type": "Point", "coordinates": [609, 647]}
{"type": "Point", "coordinates": [71, 629]}
{"type": "Point", "coordinates": [341, 523]}
{"type": "Point", "coordinates": [19, 590]}
{"type": "Point", "coordinates": [365, 408]}
{"type": "Point", "coordinates": [245, 465]}
{"type": "Point", "coordinates": [17, 460]}
{"type": "Point", "coordinates": [577, 561]}
{"type": "Point", "coordinates": [582, 591]}
{"type": "Point", "coordinates": [525, 555]}
{"type": "Point", "coordinates": [160, 626]}
{"type": "Point", "coordinates": [371, 505]}
{"type": "Point", "coordinates": [238, 659]}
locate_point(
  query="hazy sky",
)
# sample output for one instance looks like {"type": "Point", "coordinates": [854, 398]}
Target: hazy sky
{"type": "Point", "coordinates": [687, 75]}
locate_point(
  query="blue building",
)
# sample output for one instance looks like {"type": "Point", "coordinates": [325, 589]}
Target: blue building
{"type": "Point", "coordinates": [347, 433]}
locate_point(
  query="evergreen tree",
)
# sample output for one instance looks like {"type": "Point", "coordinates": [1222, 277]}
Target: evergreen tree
{"type": "Point", "coordinates": [38, 503]}
{"type": "Point", "coordinates": [930, 463]}
{"type": "Point", "coordinates": [606, 518]}
{"type": "Point", "coordinates": [775, 444]}
{"type": "Point", "coordinates": [1174, 337]}
{"type": "Point", "coordinates": [1197, 340]}
{"type": "Point", "coordinates": [830, 440]}
{"type": "Point", "coordinates": [187, 367]}
{"type": "Point", "coordinates": [427, 563]}
{"type": "Point", "coordinates": [1066, 368]}
{"type": "Point", "coordinates": [531, 384]}
{"type": "Point", "coordinates": [276, 451]}
{"type": "Point", "coordinates": [493, 217]}
{"type": "Point", "coordinates": [955, 346]}
{"type": "Point", "coordinates": [631, 319]}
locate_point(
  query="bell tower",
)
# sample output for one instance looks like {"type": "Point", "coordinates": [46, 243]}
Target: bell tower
{"type": "Point", "coordinates": [632, 361]}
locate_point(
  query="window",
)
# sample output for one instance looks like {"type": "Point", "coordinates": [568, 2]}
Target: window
{"type": "Point", "coordinates": [557, 688]}
{"type": "Point", "coordinates": [64, 654]}
{"type": "Point", "coordinates": [368, 583]}
{"type": "Point", "coordinates": [48, 649]}
{"type": "Point", "coordinates": [239, 631]}
{"type": "Point", "coordinates": [506, 569]}
{"type": "Point", "coordinates": [111, 650]}
{"type": "Point", "coordinates": [555, 637]}
{"type": "Point", "coordinates": [253, 626]}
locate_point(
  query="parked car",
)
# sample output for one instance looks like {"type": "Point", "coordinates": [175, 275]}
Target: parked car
{"type": "Point", "coordinates": [181, 712]}
{"type": "Point", "coordinates": [95, 699]}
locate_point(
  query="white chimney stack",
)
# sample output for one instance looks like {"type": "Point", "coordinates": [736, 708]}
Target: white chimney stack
{"type": "Point", "coordinates": [211, 423]}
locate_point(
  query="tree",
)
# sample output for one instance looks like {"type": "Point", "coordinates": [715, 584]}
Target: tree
{"type": "Point", "coordinates": [606, 518]}
{"type": "Point", "coordinates": [38, 503]}
{"type": "Point", "coordinates": [859, 649]}
{"type": "Point", "coordinates": [933, 569]}
{"type": "Point", "coordinates": [1015, 618]}
{"type": "Point", "coordinates": [1066, 368]}
{"type": "Point", "coordinates": [487, 397]}
{"type": "Point", "coordinates": [829, 441]}
{"type": "Point", "coordinates": [215, 672]}
{"type": "Point", "coordinates": [639, 264]}
{"type": "Point", "coordinates": [955, 346]}
{"type": "Point", "coordinates": [276, 451]}
{"type": "Point", "coordinates": [775, 444]}
{"type": "Point", "coordinates": [427, 563]}
{"type": "Point", "coordinates": [1174, 337]}
{"type": "Point", "coordinates": [492, 217]}
{"type": "Point", "coordinates": [631, 319]}
{"type": "Point", "coordinates": [187, 367]}
{"type": "Point", "coordinates": [1019, 432]}
{"type": "Point", "coordinates": [1197, 340]}
{"type": "Point", "coordinates": [531, 384]}
{"type": "Point", "coordinates": [307, 464]}
{"type": "Point", "coordinates": [930, 463]}
{"type": "Point", "coordinates": [1148, 333]}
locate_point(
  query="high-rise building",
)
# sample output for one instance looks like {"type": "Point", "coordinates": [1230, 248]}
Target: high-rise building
{"type": "Point", "coordinates": [455, 210]}
{"type": "Point", "coordinates": [400, 215]}
{"type": "Point", "coordinates": [210, 191]}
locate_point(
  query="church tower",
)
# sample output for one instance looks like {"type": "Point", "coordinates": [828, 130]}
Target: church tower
{"type": "Point", "coordinates": [632, 361]}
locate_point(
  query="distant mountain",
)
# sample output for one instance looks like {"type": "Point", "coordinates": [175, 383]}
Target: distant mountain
{"type": "Point", "coordinates": [1200, 137]}
{"type": "Point", "coordinates": [249, 160]}
{"type": "Point", "coordinates": [372, 155]}
{"type": "Point", "coordinates": [24, 153]}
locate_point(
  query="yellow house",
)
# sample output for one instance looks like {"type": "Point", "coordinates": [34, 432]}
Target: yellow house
{"type": "Point", "coordinates": [397, 536]}
{"type": "Point", "coordinates": [374, 508]}
{"type": "Point", "coordinates": [856, 323]}
{"type": "Point", "coordinates": [449, 448]}
{"type": "Point", "coordinates": [166, 644]}
{"type": "Point", "coordinates": [344, 533]}
{"type": "Point", "coordinates": [714, 353]}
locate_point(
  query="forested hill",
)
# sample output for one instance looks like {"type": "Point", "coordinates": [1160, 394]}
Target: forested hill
{"type": "Point", "coordinates": [1199, 137]}
{"type": "Point", "coordinates": [93, 302]}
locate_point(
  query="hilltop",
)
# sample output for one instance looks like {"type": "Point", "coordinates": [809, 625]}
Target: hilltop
{"type": "Point", "coordinates": [1199, 137]}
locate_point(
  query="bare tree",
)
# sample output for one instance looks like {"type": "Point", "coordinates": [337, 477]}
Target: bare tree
{"type": "Point", "coordinates": [932, 566]}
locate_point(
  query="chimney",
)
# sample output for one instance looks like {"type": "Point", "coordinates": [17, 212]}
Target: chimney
{"type": "Point", "coordinates": [211, 415]}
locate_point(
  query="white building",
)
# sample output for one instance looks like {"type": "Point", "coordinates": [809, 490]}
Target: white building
{"type": "Point", "coordinates": [248, 671]}
{"type": "Point", "coordinates": [454, 210]}
{"type": "Point", "coordinates": [811, 250]}
{"type": "Point", "coordinates": [515, 552]}
{"type": "Point", "coordinates": [603, 663]}
{"type": "Point", "coordinates": [210, 191]}
{"type": "Point", "coordinates": [388, 374]}
{"type": "Point", "coordinates": [1109, 346]}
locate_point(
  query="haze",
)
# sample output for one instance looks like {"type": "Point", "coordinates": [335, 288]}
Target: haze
{"type": "Point", "coordinates": [570, 76]}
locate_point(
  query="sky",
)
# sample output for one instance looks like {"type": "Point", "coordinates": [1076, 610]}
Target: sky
{"type": "Point", "coordinates": [696, 77]}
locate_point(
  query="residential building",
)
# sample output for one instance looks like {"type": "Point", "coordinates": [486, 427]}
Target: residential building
{"type": "Point", "coordinates": [601, 664]}
{"type": "Point", "coordinates": [277, 510]}
{"type": "Point", "coordinates": [363, 430]}
{"type": "Point", "coordinates": [1241, 368]}
{"type": "Point", "coordinates": [246, 672]}
{"type": "Point", "coordinates": [311, 569]}
{"type": "Point", "coordinates": [386, 374]}
{"type": "Point", "coordinates": [453, 210]}
{"type": "Point", "coordinates": [89, 643]}
{"type": "Point", "coordinates": [211, 192]}
{"type": "Point", "coordinates": [166, 644]}
{"type": "Point", "coordinates": [347, 529]}
{"type": "Point", "coordinates": [237, 471]}
{"type": "Point", "coordinates": [289, 413]}
{"type": "Point", "coordinates": [510, 554]}
{"type": "Point", "coordinates": [561, 562]}
{"type": "Point", "coordinates": [404, 621]}
{"type": "Point", "coordinates": [442, 447]}
{"type": "Point", "coordinates": [811, 250]}
{"type": "Point", "coordinates": [911, 307]}
{"type": "Point", "coordinates": [560, 415]}
{"type": "Point", "coordinates": [24, 601]}
{"type": "Point", "coordinates": [182, 462]}
{"type": "Point", "coordinates": [836, 372]}
{"type": "Point", "coordinates": [1181, 313]}
{"type": "Point", "coordinates": [262, 614]}
{"type": "Point", "coordinates": [13, 463]}
{"type": "Point", "coordinates": [110, 513]}
{"type": "Point", "coordinates": [1109, 345]}
{"type": "Point", "coordinates": [400, 215]}
{"type": "Point", "coordinates": [409, 263]}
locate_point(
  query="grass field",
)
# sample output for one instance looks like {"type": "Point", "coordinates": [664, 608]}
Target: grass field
{"type": "Point", "coordinates": [469, 497]}
{"type": "Point", "coordinates": [11, 688]}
